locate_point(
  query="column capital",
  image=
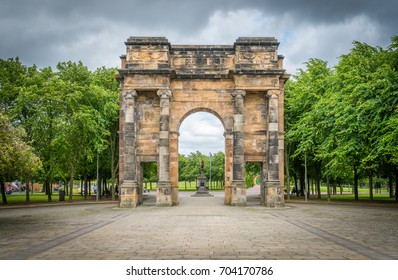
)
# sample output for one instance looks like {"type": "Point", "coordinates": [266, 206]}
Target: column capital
{"type": "Point", "coordinates": [238, 93]}
{"type": "Point", "coordinates": [129, 94]}
{"type": "Point", "coordinates": [273, 93]}
{"type": "Point", "coordinates": [165, 93]}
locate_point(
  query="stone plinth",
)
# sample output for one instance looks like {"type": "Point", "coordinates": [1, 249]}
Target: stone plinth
{"type": "Point", "coordinates": [201, 188]}
{"type": "Point", "coordinates": [274, 195]}
{"type": "Point", "coordinates": [129, 194]}
{"type": "Point", "coordinates": [238, 195]}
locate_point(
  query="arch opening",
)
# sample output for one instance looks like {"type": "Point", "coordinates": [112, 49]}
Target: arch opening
{"type": "Point", "coordinates": [201, 137]}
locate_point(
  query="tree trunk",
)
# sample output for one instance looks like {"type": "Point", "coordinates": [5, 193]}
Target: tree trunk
{"type": "Point", "coordinates": [355, 188]}
{"type": "Point", "coordinates": [302, 183]}
{"type": "Point", "coordinates": [27, 190]}
{"type": "Point", "coordinates": [296, 183]}
{"type": "Point", "coordinates": [81, 186]}
{"type": "Point", "coordinates": [72, 174]}
{"type": "Point", "coordinates": [48, 190]}
{"type": "Point", "coordinates": [305, 177]}
{"type": "Point", "coordinates": [113, 146]}
{"type": "Point", "coordinates": [370, 176]}
{"type": "Point", "coordinates": [318, 187]}
{"type": "Point", "coordinates": [328, 186]}
{"type": "Point", "coordinates": [113, 196]}
{"type": "Point", "coordinates": [312, 187]}
{"type": "Point", "coordinates": [85, 187]}
{"type": "Point", "coordinates": [3, 192]}
{"type": "Point", "coordinates": [390, 186]}
{"type": "Point", "coordinates": [287, 172]}
{"type": "Point", "coordinates": [396, 184]}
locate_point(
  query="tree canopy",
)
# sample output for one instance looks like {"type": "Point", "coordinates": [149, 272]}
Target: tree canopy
{"type": "Point", "coordinates": [70, 116]}
{"type": "Point", "coordinates": [344, 119]}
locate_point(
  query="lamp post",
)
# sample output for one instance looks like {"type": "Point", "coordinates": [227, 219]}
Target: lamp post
{"type": "Point", "coordinates": [210, 169]}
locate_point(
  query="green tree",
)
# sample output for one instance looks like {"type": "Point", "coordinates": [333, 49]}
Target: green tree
{"type": "Point", "coordinates": [17, 157]}
{"type": "Point", "coordinates": [308, 124]}
{"type": "Point", "coordinates": [12, 77]}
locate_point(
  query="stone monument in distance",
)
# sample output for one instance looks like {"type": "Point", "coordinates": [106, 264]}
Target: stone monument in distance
{"type": "Point", "coordinates": [201, 188]}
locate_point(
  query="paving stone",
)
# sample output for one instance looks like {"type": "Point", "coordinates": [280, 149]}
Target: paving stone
{"type": "Point", "coordinates": [101, 231]}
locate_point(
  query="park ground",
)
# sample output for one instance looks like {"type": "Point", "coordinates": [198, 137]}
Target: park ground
{"type": "Point", "coordinates": [200, 228]}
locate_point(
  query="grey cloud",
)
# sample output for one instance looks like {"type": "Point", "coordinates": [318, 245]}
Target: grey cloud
{"type": "Point", "coordinates": [47, 31]}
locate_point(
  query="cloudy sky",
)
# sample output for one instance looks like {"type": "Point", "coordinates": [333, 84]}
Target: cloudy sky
{"type": "Point", "coordinates": [44, 32]}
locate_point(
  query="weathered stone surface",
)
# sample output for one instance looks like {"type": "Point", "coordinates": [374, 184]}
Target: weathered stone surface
{"type": "Point", "coordinates": [241, 84]}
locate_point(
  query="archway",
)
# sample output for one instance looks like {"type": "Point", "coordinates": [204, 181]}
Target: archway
{"type": "Point", "coordinates": [201, 137]}
{"type": "Point", "coordinates": [241, 84]}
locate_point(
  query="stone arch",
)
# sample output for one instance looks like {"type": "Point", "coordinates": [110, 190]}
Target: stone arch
{"type": "Point", "coordinates": [222, 119]}
{"type": "Point", "coordinates": [241, 84]}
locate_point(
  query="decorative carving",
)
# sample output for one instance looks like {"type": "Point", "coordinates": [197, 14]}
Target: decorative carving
{"type": "Point", "coordinates": [129, 94]}
{"type": "Point", "coordinates": [147, 81]}
{"type": "Point", "coordinates": [164, 93]}
{"type": "Point", "coordinates": [218, 60]}
{"type": "Point", "coordinates": [190, 61]}
{"type": "Point", "coordinates": [149, 116]}
{"type": "Point", "coordinates": [179, 61]}
{"type": "Point", "coordinates": [201, 61]}
{"type": "Point", "coordinates": [253, 116]}
{"type": "Point", "coordinates": [238, 93]}
{"type": "Point", "coordinates": [255, 57]}
{"type": "Point", "coordinates": [198, 61]}
{"type": "Point", "coordinates": [144, 55]}
{"type": "Point", "coordinates": [273, 93]}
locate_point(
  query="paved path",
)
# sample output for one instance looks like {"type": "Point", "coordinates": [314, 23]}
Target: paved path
{"type": "Point", "coordinates": [200, 228]}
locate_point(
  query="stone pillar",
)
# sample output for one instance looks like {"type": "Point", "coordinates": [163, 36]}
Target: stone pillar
{"type": "Point", "coordinates": [238, 191]}
{"type": "Point", "coordinates": [228, 166]}
{"type": "Point", "coordinates": [163, 196]}
{"type": "Point", "coordinates": [273, 192]}
{"type": "Point", "coordinates": [174, 166]}
{"type": "Point", "coordinates": [129, 191]}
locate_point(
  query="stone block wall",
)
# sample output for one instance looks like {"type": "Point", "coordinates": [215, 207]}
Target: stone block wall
{"type": "Point", "coordinates": [241, 84]}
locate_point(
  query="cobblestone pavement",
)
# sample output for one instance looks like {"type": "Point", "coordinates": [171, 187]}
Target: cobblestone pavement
{"type": "Point", "coordinates": [200, 228]}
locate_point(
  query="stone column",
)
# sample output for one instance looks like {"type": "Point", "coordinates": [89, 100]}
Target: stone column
{"type": "Point", "coordinates": [273, 192]}
{"type": "Point", "coordinates": [228, 166]}
{"type": "Point", "coordinates": [129, 191]}
{"type": "Point", "coordinates": [163, 196]}
{"type": "Point", "coordinates": [238, 192]}
{"type": "Point", "coordinates": [174, 166]}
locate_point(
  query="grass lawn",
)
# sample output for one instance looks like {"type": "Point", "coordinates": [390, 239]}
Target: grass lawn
{"type": "Point", "coordinates": [363, 195]}
{"type": "Point", "coordinates": [20, 198]}
{"type": "Point", "coordinates": [188, 186]}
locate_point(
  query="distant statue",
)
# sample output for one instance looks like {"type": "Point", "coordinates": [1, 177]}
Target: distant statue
{"type": "Point", "coordinates": [201, 188]}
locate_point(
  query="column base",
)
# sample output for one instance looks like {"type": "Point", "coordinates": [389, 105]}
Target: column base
{"type": "Point", "coordinates": [163, 194]}
{"type": "Point", "coordinates": [227, 195]}
{"type": "Point", "coordinates": [174, 196]}
{"type": "Point", "coordinates": [238, 193]}
{"type": "Point", "coordinates": [129, 194]}
{"type": "Point", "coordinates": [273, 195]}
